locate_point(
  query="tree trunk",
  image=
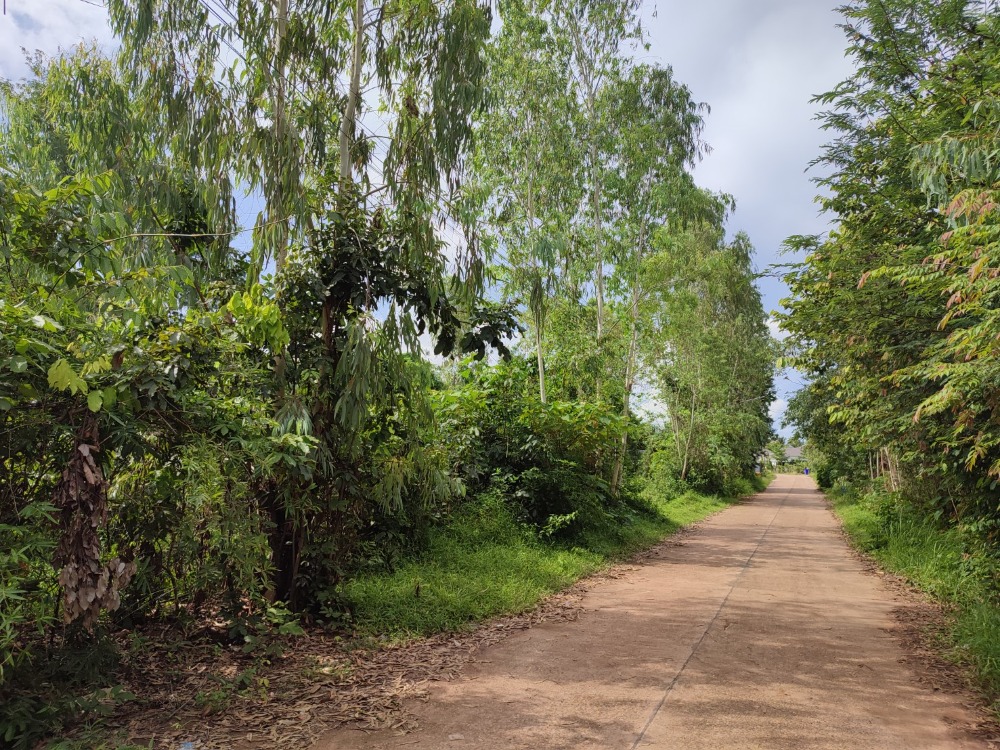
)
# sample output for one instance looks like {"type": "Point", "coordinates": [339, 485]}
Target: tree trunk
{"type": "Point", "coordinates": [673, 409]}
{"type": "Point", "coordinates": [283, 577]}
{"type": "Point", "coordinates": [598, 239]}
{"type": "Point", "coordinates": [590, 86]}
{"type": "Point", "coordinates": [275, 199]}
{"type": "Point", "coordinates": [353, 96]}
{"type": "Point", "coordinates": [630, 368]}
{"type": "Point", "coordinates": [616, 476]}
{"type": "Point", "coordinates": [537, 304]}
{"type": "Point", "coordinates": [541, 360]}
{"type": "Point", "coordinates": [285, 540]}
{"type": "Point", "coordinates": [690, 436]}
{"type": "Point", "coordinates": [891, 470]}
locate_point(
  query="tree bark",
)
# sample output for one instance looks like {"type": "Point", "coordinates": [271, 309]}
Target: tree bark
{"type": "Point", "coordinates": [598, 239]}
{"type": "Point", "coordinates": [630, 367]}
{"type": "Point", "coordinates": [276, 197]}
{"type": "Point", "coordinates": [538, 306]}
{"type": "Point", "coordinates": [347, 123]}
{"type": "Point", "coordinates": [541, 361]}
{"type": "Point", "coordinates": [690, 436]}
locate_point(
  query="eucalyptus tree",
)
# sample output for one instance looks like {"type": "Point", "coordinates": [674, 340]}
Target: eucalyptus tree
{"type": "Point", "coordinates": [353, 120]}
{"type": "Point", "coordinates": [597, 33]}
{"type": "Point", "coordinates": [526, 161]}
{"type": "Point", "coordinates": [712, 354]}
{"type": "Point", "coordinates": [290, 97]}
{"type": "Point", "coordinates": [659, 128]}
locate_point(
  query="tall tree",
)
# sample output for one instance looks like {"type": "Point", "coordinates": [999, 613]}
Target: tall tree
{"type": "Point", "coordinates": [254, 91]}
{"type": "Point", "coordinates": [526, 161]}
{"type": "Point", "coordinates": [714, 356]}
{"type": "Point", "coordinates": [354, 230]}
{"type": "Point", "coordinates": [597, 33]}
{"type": "Point", "coordinates": [659, 131]}
{"type": "Point", "coordinates": [879, 315]}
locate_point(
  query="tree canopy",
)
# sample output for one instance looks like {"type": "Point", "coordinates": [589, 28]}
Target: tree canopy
{"type": "Point", "coordinates": [480, 245]}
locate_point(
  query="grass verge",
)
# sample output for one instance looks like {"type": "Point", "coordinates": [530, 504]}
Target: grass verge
{"type": "Point", "coordinates": [941, 563]}
{"type": "Point", "coordinates": [485, 564]}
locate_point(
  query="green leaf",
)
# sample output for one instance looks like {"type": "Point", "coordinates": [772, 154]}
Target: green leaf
{"type": "Point", "coordinates": [46, 323]}
{"type": "Point", "coordinates": [95, 400]}
{"type": "Point", "coordinates": [291, 628]}
{"type": "Point", "coordinates": [17, 364]}
{"type": "Point", "coordinates": [63, 377]}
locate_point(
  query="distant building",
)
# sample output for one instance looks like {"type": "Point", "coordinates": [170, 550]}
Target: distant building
{"type": "Point", "coordinates": [794, 455]}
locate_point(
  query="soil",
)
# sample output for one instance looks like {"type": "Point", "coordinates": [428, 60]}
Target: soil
{"type": "Point", "coordinates": [759, 629]}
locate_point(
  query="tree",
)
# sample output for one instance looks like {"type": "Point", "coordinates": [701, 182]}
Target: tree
{"type": "Point", "coordinates": [659, 131]}
{"type": "Point", "coordinates": [112, 289]}
{"type": "Point", "coordinates": [596, 31]}
{"type": "Point", "coordinates": [714, 357]}
{"type": "Point", "coordinates": [879, 312]}
{"type": "Point", "coordinates": [348, 241]}
{"type": "Point", "coordinates": [777, 448]}
{"type": "Point", "coordinates": [525, 163]}
{"type": "Point", "coordinates": [212, 75]}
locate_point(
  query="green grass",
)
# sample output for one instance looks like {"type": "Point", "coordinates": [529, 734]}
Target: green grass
{"type": "Point", "coordinates": [484, 564]}
{"type": "Point", "coordinates": [939, 562]}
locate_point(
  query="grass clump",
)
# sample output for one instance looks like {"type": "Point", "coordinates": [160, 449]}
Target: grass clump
{"type": "Point", "coordinates": [485, 562]}
{"type": "Point", "coordinates": [948, 563]}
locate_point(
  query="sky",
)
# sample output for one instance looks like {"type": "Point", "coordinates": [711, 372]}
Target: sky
{"type": "Point", "coordinates": [756, 63]}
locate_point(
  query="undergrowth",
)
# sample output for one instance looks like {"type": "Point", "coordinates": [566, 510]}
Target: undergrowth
{"type": "Point", "coordinates": [485, 563]}
{"type": "Point", "coordinates": [947, 563]}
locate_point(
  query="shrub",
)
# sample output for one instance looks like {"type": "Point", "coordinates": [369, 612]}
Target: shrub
{"type": "Point", "coordinates": [550, 460]}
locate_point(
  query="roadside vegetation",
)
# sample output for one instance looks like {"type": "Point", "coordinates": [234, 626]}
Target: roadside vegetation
{"type": "Point", "coordinates": [484, 563]}
{"type": "Point", "coordinates": [484, 333]}
{"type": "Point", "coordinates": [939, 561]}
{"type": "Point", "coordinates": [894, 316]}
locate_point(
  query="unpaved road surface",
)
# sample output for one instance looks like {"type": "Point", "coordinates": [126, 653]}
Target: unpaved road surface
{"type": "Point", "coordinates": [760, 630]}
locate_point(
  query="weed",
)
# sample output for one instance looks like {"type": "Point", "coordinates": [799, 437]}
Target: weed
{"type": "Point", "coordinates": [246, 684]}
{"type": "Point", "coordinates": [485, 563]}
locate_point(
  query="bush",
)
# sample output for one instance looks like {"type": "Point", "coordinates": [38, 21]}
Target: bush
{"type": "Point", "coordinates": [549, 460]}
{"type": "Point", "coordinates": [56, 686]}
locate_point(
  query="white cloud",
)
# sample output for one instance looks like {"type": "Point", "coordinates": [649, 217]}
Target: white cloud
{"type": "Point", "coordinates": [427, 347]}
{"type": "Point", "coordinates": [647, 404]}
{"type": "Point", "coordinates": [49, 26]}
{"type": "Point", "coordinates": [777, 412]}
{"type": "Point", "coordinates": [777, 332]}
{"type": "Point", "coordinates": [777, 409]}
{"type": "Point", "coordinates": [757, 65]}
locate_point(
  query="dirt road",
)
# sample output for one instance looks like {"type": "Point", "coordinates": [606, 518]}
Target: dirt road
{"type": "Point", "coordinates": [760, 630]}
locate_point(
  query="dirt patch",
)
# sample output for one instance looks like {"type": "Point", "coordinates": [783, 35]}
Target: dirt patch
{"type": "Point", "coordinates": [218, 697]}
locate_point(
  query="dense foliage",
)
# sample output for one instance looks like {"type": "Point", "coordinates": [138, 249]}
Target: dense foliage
{"type": "Point", "coordinates": [893, 315]}
{"type": "Point", "coordinates": [892, 312]}
{"type": "Point", "coordinates": [207, 422]}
